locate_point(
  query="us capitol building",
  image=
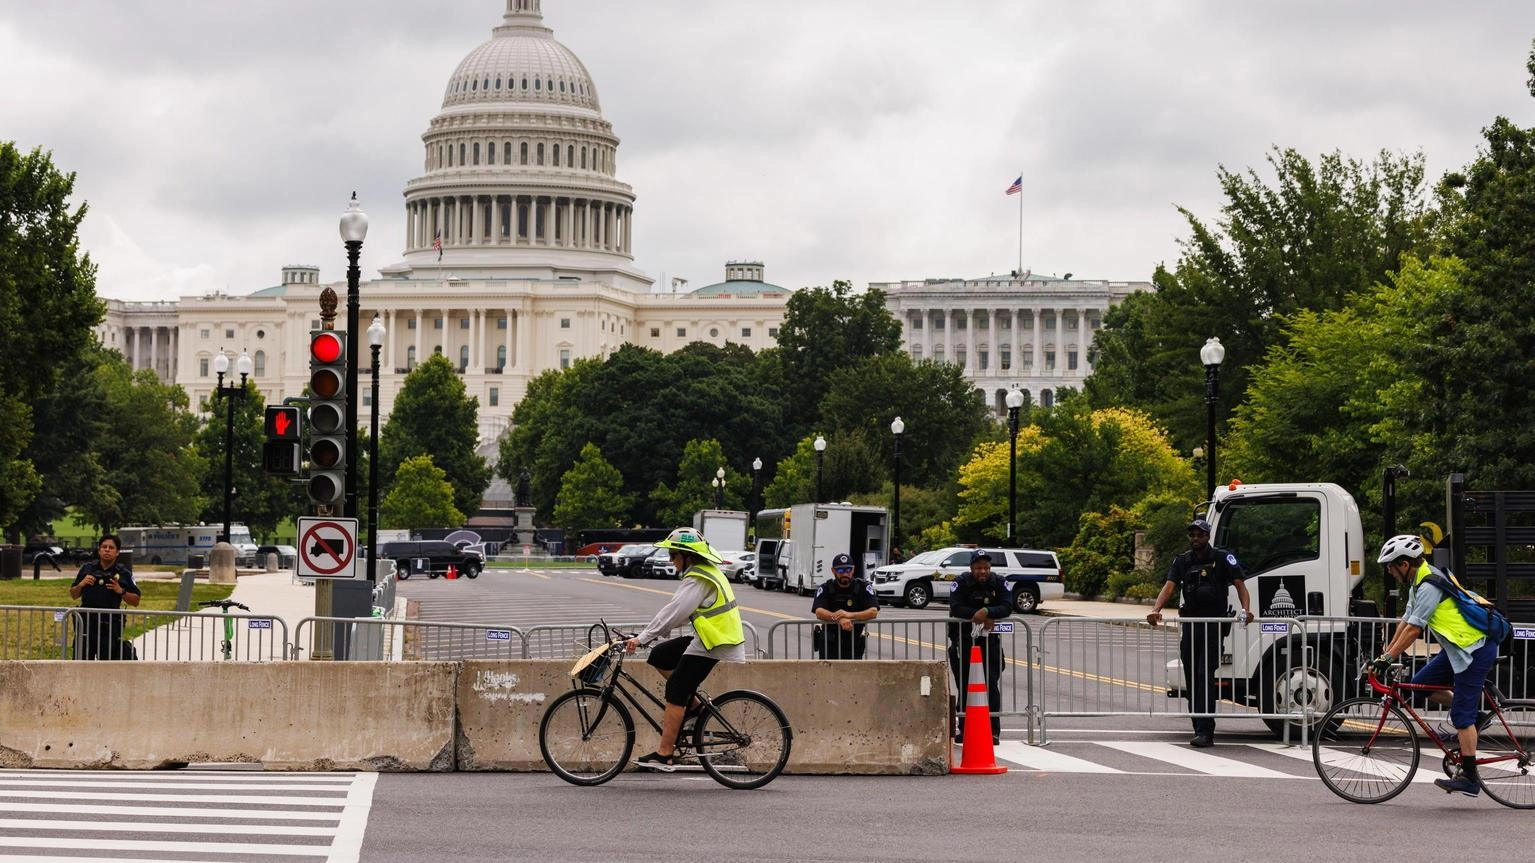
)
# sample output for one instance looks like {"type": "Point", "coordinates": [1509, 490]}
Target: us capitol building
{"type": "Point", "coordinates": [536, 268]}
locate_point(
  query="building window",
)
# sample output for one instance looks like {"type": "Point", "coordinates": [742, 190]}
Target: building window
{"type": "Point", "coordinates": [772, 332]}
{"type": "Point", "coordinates": [938, 354]}
{"type": "Point", "coordinates": [982, 322]}
{"type": "Point", "coordinates": [477, 152]}
{"type": "Point", "coordinates": [1026, 323]}
{"type": "Point", "coordinates": [1006, 358]}
{"type": "Point", "coordinates": [229, 332]}
{"type": "Point", "coordinates": [506, 153]}
{"type": "Point", "coordinates": [959, 356]}
{"type": "Point", "coordinates": [202, 334]}
{"type": "Point", "coordinates": [314, 324]}
{"type": "Point", "coordinates": [463, 323]}
{"type": "Point", "coordinates": [714, 332]}
{"type": "Point", "coordinates": [461, 150]}
{"type": "Point", "coordinates": [1071, 360]}
{"type": "Point", "coordinates": [463, 358]}
{"type": "Point", "coordinates": [682, 332]}
{"type": "Point", "coordinates": [490, 149]}
{"type": "Point", "coordinates": [564, 323]}
{"type": "Point", "coordinates": [367, 397]}
{"type": "Point", "coordinates": [916, 353]}
{"type": "Point", "coordinates": [655, 332]}
{"type": "Point", "coordinates": [202, 367]}
{"type": "Point", "coordinates": [1049, 361]}
{"type": "Point", "coordinates": [961, 323]}
{"type": "Point", "coordinates": [501, 356]}
{"type": "Point", "coordinates": [410, 357]}
{"type": "Point", "coordinates": [1046, 398]}
{"type": "Point", "coordinates": [1004, 323]}
{"type": "Point", "coordinates": [938, 324]}
{"type": "Point", "coordinates": [437, 323]}
{"type": "Point", "coordinates": [501, 323]}
{"type": "Point", "coordinates": [410, 324]}
{"type": "Point", "coordinates": [259, 362]}
{"type": "Point", "coordinates": [570, 155]}
{"type": "Point", "coordinates": [916, 323]}
{"type": "Point", "coordinates": [495, 396]}
{"type": "Point", "coordinates": [555, 155]}
{"type": "Point", "coordinates": [540, 154]}
{"type": "Point", "coordinates": [746, 332]}
{"type": "Point", "coordinates": [564, 358]}
{"type": "Point", "coordinates": [1026, 360]}
{"type": "Point", "coordinates": [524, 143]}
{"type": "Point", "coordinates": [261, 334]}
{"type": "Point", "coordinates": [437, 350]}
{"type": "Point", "coordinates": [1071, 323]}
{"type": "Point", "coordinates": [983, 356]}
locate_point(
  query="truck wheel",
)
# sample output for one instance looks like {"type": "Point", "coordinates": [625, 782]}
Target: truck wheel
{"type": "Point", "coordinates": [1293, 687]}
{"type": "Point", "coordinates": [918, 594]}
{"type": "Point", "coordinates": [472, 570]}
{"type": "Point", "coordinates": [402, 569]}
{"type": "Point", "coordinates": [432, 574]}
{"type": "Point", "coordinates": [1025, 598]}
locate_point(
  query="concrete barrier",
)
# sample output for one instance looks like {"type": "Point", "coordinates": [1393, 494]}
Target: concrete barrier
{"type": "Point", "coordinates": [286, 716]}
{"type": "Point", "coordinates": [848, 717]}
{"type": "Point", "coordinates": [870, 717]}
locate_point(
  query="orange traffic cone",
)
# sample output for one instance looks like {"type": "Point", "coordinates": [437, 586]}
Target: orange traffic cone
{"type": "Point", "coordinates": [978, 755]}
{"type": "Point", "coordinates": [452, 571]}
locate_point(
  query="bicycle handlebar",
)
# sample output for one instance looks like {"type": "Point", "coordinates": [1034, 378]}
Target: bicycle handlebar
{"type": "Point", "coordinates": [224, 604]}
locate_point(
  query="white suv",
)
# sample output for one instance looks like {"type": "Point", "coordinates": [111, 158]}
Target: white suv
{"type": "Point", "coordinates": [1031, 575]}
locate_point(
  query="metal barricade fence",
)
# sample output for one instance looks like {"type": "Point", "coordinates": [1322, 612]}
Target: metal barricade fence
{"type": "Point", "coordinates": [1120, 667]}
{"type": "Point", "coordinates": [928, 639]}
{"type": "Point", "coordinates": [175, 636]}
{"type": "Point", "coordinates": [567, 641]}
{"type": "Point", "coordinates": [393, 640]}
{"type": "Point", "coordinates": [34, 632]}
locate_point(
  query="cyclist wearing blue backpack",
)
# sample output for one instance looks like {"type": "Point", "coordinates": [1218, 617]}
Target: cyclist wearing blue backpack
{"type": "Point", "coordinates": [1465, 655]}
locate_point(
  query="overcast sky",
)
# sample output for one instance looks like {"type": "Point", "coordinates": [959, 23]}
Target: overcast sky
{"type": "Point", "coordinates": [868, 140]}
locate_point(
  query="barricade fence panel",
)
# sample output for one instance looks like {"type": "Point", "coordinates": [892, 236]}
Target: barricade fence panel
{"type": "Point", "coordinates": [394, 640]}
{"type": "Point", "coordinates": [568, 641]}
{"type": "Point", "coordinates": [34, 632]}
{"type": "Point", "coordinates": [175, 636]}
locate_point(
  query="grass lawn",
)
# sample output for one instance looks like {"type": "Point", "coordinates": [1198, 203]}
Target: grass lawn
{"type": "Point", "coordinates": [35, 635]}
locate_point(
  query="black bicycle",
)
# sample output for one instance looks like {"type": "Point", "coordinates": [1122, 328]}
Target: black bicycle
{"type": "Point", "coordinates": [740, 738]}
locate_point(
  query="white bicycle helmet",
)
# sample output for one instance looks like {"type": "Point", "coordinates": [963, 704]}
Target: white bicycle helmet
{"type": "Point", "coordinates": [1400, 546]}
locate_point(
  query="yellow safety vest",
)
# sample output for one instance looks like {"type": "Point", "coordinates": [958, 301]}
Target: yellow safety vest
{"type": "Point", "coordinates": [1447, 622]}
{"type": "Point", "coordinates": [719, 623]}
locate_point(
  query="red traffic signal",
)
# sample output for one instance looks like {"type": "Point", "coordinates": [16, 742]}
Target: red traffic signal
{"type": "Point", "coordinates": [326, 346]}
{"type": "Point", "coordinates": [282, 423]}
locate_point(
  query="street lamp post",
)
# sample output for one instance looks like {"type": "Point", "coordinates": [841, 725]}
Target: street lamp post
{"type": "Point", "coordinates": [1211, 355]}
{"type": "Point", "coordinates": [719, 488]}
{"type": "Point", "coordinates": [376, 333]}
{"type": "Point", "coordinates": [1014, 402]}
{"type": "Point", "coordinates": [897, 428]}
{"type": "Point", "coordinates": [820, 459]}
{"type": "Point", "coordinates": [354, 229]}
{"type": "Point", "coordinates": [751, 526]}
{"type": "Point", "coordinates": [229, 394]}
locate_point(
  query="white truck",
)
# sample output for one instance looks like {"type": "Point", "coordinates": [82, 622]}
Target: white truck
{"type": "Point", "coordinates": [796, 544]}
{"type": "Point", "coordinates": [1302, 547]}
{"type": "Point", "coordinates": [724, 529]}
{"type": "Point", "coordinates": [172, 544]}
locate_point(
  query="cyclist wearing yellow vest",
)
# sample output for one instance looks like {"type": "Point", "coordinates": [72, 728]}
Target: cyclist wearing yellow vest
{"type": "Point", "coordinates": [705, 600]}
{"type": "Point", "coordinates": [1465, 654]}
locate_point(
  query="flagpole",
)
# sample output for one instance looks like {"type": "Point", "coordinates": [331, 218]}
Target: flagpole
{"type": "Point", "coordinates": [1020, 229]}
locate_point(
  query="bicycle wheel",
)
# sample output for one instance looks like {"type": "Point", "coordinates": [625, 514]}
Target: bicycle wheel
{"type": "Point", "coordinates": [1503, 758]}
{"type": "Point", "coordinates": [744, 742]}
{"type": "Point", "coordinates": [1364, 751]}
{"type": "Point", "coordinates": [583, 742]}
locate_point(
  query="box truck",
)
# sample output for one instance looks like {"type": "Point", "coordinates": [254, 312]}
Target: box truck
{"type": "Point", "coordinates": [796, 544]}
{"type": "Point", "coordinates": [724, 529]}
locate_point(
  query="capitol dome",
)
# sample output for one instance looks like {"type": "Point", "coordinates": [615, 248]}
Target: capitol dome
{"type": "Point", "coordinates": [520, 168]}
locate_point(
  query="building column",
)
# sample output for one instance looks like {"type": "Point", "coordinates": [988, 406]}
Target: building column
{"type": "Point", "coordinates": [474, 220]}
{"type": "Point", "coordinates": [521, 347]}
{"type": "Point", "coordinates": [154, 350]}
{"type": "Point", "coordinates": [420, 328]}
{"type": "Point", "coordinates": [608, 222]}
{"type": "Point", "coordinates": [1039, 342]}
{"type": "Point", "coordinates": [507, 339]}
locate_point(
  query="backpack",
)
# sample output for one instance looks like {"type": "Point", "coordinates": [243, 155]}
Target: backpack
{"type": "Point", "coordinates": [1480, 613]}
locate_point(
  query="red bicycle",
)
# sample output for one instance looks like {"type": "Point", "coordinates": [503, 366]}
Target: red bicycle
{"type": "Point", "coordinates": [1366, 749]}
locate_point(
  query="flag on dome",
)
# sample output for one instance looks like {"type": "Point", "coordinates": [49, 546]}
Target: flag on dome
{"type": "Point", "coordinates": [1016, 187]}
{"type": "Point", "coordinates": [437, 244]}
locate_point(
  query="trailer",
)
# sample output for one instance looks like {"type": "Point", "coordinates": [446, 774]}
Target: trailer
{"type": "Point", "coordinates": [796, 544]}
{"type": "Point", "coordinates": [173, 544]}
{"type": "Point", "coordinates": [724, 529]}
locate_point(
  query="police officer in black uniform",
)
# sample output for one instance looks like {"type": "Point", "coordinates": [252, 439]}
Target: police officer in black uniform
{"type": "Point", "coordinates": [105, 583]}
{"type": "Point", "coordinates": [1203, 574]}
{"type": "Point", "coordinates": [979, 599]}
{"type": "Point", "coordinates": [844, 603]}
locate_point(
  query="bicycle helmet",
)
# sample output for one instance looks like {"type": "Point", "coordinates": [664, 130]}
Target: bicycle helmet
{"type": "Point", "coordinates": [691, 541]}
{"type": "Point", "coordinates": [1400, 546]}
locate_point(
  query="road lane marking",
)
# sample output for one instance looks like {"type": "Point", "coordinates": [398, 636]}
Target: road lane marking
{"type": "Point", "coordinates": [1039, 758]}
{"type": "Point", "coordinates": [1201, 762]}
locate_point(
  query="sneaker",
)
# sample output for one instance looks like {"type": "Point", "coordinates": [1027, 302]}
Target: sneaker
{"type": "Point", "coordinates": [1460, 784]}
{"type": "Point", "coordinates": [1202, 741]}
{"type": "Point", "coordinates": [657, 761]}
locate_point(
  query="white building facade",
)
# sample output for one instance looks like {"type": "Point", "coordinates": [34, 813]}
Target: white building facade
{"type": "Point", "coordinates": [1031, 332]}
{"type": "Point", "coordinates": [518, 259]}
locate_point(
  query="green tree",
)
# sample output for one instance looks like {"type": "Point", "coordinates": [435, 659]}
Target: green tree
{"type": "Point", "coordinates": [433, 415]}
{"type": "Point", "coordinates": [151, 466]}
{"type": "Point", "coordinates": [692, 491]}
{"type": "Point", "coordinates": [826, 329]}
{"type": "Point", "coordinates": [74, 412]}
{"type": "Point", "coordinates": [591, 493]}
{"type": "Point", "coordinates": [48, 306]}
{"type": "Point", "coordinates": [261, 502]}
{"type": "Point", "coordinates": [420, 496]}
{"type": "Point", "coordinates": [549, 427]}
{"type": "Point", "coordinates": [1318, 234]}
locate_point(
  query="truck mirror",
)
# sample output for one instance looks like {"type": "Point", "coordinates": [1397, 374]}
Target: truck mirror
{"type": "Point", "coordinates": [1314, 603]}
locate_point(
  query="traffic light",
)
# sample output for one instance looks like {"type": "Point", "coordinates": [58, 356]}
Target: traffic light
{"type": "Point", "coordinates": [327, 417]}
{"type": "Point", "coordinates": [280, 453]}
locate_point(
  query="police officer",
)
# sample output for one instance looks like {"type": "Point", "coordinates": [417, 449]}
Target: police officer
{"type": "Point", "coordinates": [843, 603]}
{"type": "Point", "coordinates": [105, 583]}
{"type": "Point", "coordinates": [979, 599]}
{"type": "Point", "coordinates": [1203, 574]}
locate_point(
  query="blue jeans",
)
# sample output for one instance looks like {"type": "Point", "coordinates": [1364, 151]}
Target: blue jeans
{"type": "Point", "coordinates": [1467, 694]}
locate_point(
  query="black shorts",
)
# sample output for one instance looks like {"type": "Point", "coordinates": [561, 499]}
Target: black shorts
{"type": "Point", "coordinates": [687, 672]}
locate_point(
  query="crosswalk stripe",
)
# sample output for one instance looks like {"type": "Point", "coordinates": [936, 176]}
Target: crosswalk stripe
{"type": "Point", "coordinates": [220, 827]}
{"type": "Point", "coordinates": [189, 812]}
{"type": "Point", "coordinates": [1347, 761]}
{"type": "Point", "coordinates": [6, 782]}
{"type": "Point", "coordinates": [1040, 758]}
{"type": "Point", "coordinates": [178, 798]}
{"type": "Point", "coordinates": [1202, 762]}
{"type": "Point", "coordinates": [169, 846]}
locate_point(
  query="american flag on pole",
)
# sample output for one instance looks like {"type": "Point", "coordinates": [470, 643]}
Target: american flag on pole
{"type": "Point", "coordinates": [1016, 187]}
{"type": "Point", "coordinates": [437, 242]}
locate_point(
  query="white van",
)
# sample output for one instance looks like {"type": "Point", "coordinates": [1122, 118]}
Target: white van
{"type": "Point", "coordinates": [1032, 576]}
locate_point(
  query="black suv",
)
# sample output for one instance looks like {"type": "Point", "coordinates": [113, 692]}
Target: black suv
{"type": "Point", "coordinates": [432, 557]}
{"type": "Point", "coordinates": [629, 561]}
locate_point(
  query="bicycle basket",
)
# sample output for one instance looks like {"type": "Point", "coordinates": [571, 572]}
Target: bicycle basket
{"type": "Point", "coordinates": [592, 667]}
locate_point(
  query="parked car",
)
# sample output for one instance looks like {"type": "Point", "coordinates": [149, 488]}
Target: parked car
{"type": "Point", "coordinates": [1031, 575]}
{"type": "Point", "coordinates": [659, 564]}
{"type": "Point", "coordinates": [607, 562]}
{"type": "Point", "coordinates": [431, 557]}
{"type": "Point", "coordinates": [287, 556]}
{"type": "Point", "coordinates": [735, 564]}
{"type": "Point", "coordinates": [629, 561]}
